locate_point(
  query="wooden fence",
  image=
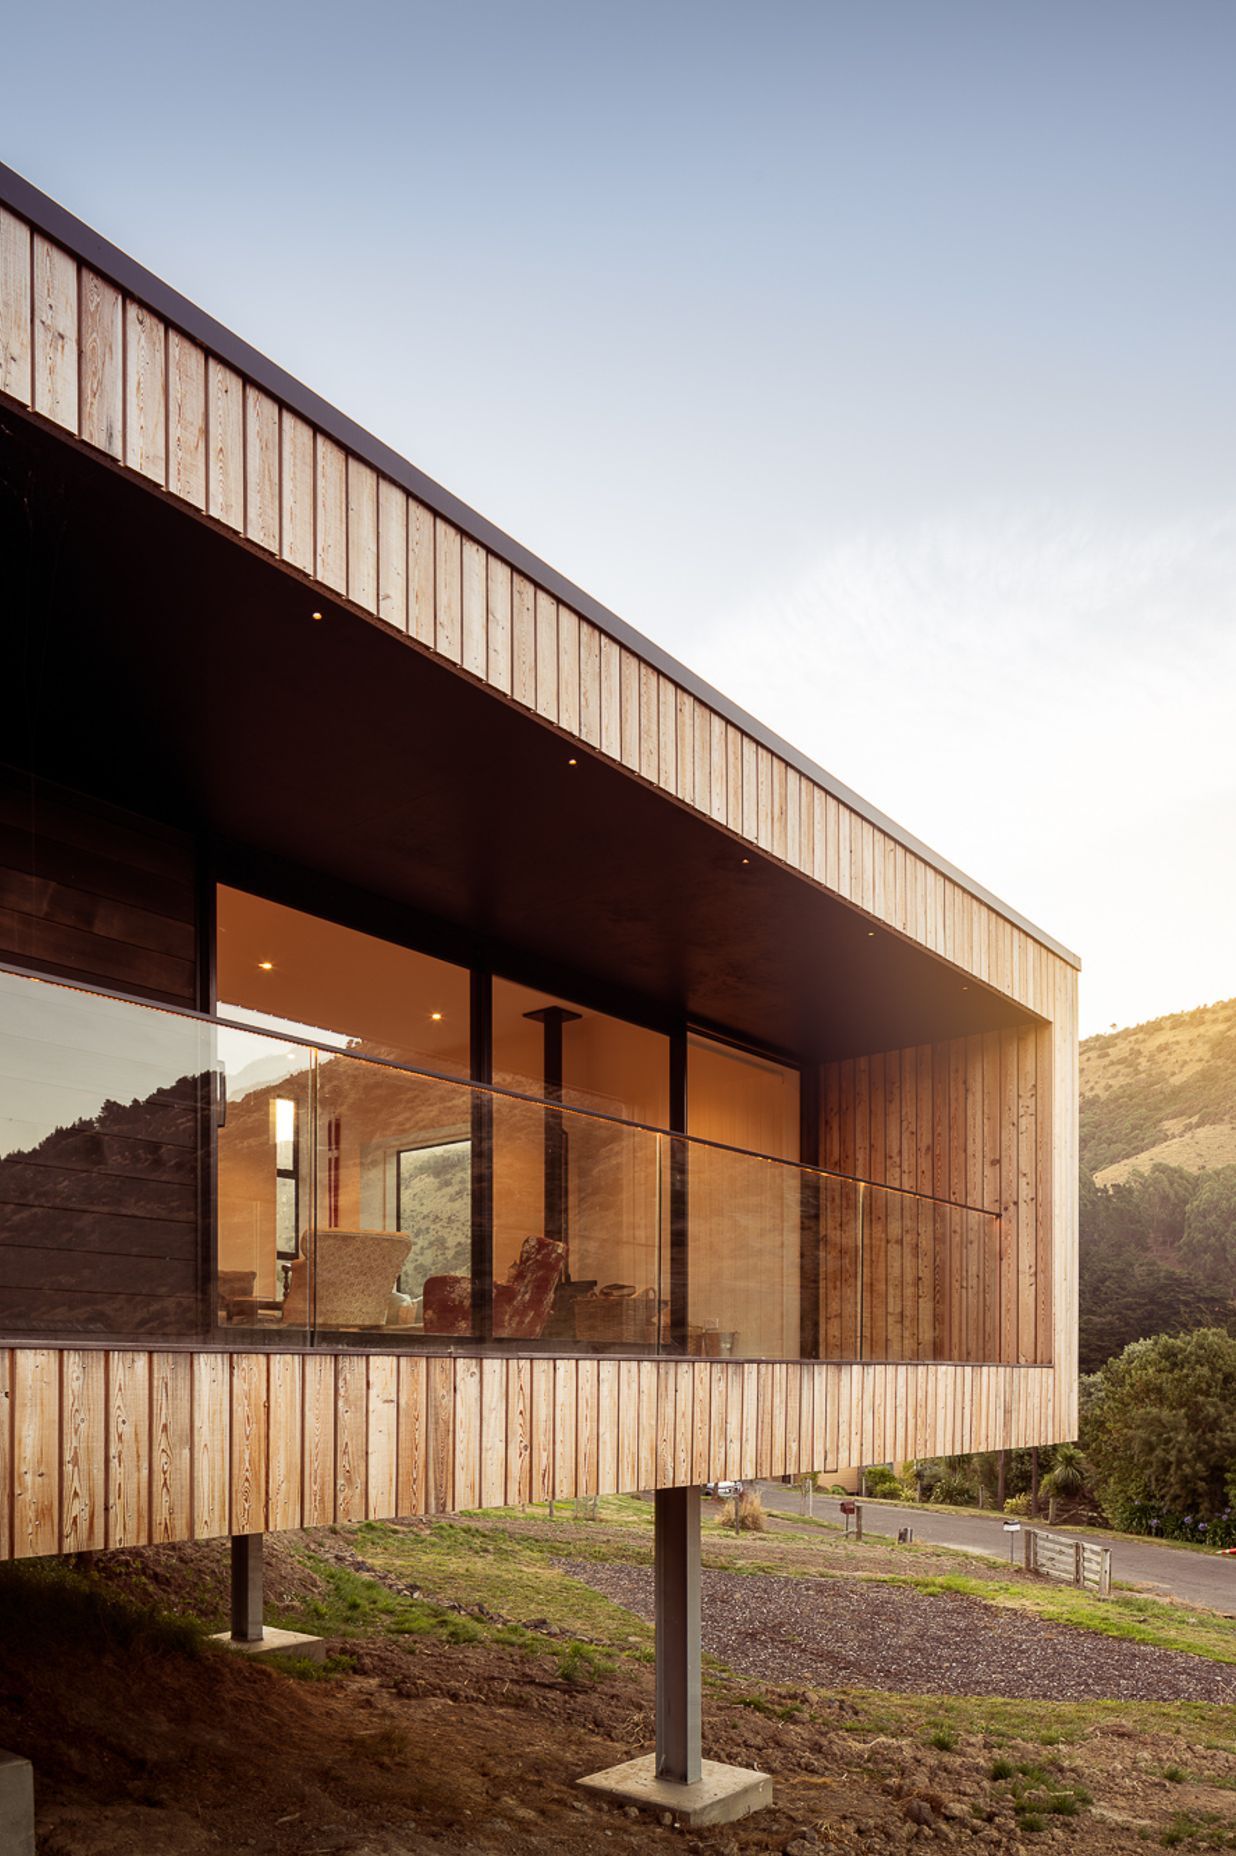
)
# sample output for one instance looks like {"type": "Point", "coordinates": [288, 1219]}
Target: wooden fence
{"type": "Point", "coordinates": [1083, 1563]}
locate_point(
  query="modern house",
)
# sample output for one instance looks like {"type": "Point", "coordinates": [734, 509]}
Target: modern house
{"type": "Point", "coordinates": [449, 1055]}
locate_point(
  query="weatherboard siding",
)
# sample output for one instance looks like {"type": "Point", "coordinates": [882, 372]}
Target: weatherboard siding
{"type": "Point", "coordinates": [113, 1448]}
{"type": "Point", "coordinates": [102, 367]}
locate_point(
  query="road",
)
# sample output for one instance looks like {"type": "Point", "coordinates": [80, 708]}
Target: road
{"type": "Point", "coordinates": [1197, 1578]}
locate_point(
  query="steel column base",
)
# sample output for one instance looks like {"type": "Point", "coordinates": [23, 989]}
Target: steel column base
{"type": "Point", "coordinates": [719, 1796]}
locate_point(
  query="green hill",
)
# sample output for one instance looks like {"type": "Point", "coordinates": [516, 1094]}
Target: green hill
{"type": "Point", "coordinates": [1158, 1189]}
{"type": "Point", "coordinates": [1162, 1092]}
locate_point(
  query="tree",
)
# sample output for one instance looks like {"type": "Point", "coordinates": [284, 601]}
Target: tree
{"type": "Point", "coordinates": [1208, 1246]}
{"type": "Point", "coordinates": [1135, 1274]}
{"type": "Point", "coordinates": [1158, 1426]}
{"type": "Point", "coordinates": [1166, 1194]}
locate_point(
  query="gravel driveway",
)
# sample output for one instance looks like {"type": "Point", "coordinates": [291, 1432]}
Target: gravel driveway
{"type": "Point", "coordinates": [847, 1633]}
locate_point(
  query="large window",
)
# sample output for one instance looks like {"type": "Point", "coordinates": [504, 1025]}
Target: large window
{"type": "Point", "coordinates": [746, 1212]}
{"type": "Point", "coordinates": [333, 1147]}
{"type": "Point", "coordinates": [594, 1189]}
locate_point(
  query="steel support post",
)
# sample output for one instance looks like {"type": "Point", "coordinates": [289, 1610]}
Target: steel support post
{"type": "Point", "coordinates": [247, 1588]}
{"type": "Point", "coordinates": [677, 1555]}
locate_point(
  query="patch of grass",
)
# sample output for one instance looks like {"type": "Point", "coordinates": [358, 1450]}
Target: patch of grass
{"type": "Point", "coordinates": [943, 1739]}
{"type": "Point", "coordinates": [304, 1669]}
{"type": "Point", "coordinates": [514, 1576]}
{"type": "Point", "coordinates": [1036, 1794]}
{"type": "Point", "coordinates": [583, 1663]}
{"type": "Point", "coordinates": [1205, 1831]}
{"type": "Point", "coordinates": [1175, 1775]}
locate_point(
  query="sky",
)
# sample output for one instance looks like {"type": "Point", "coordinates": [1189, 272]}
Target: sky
{"type": "Point", "coordinates": [877, 361]}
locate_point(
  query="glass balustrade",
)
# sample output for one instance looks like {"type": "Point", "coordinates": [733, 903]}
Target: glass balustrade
{"type": "Point", "coordinates": [165, 1176]}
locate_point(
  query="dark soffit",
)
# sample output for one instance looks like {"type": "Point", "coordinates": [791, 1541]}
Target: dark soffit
{"type": "Point", "coordinates": [166, 667]}
{"type": "Point", "coordinates": [93, 249]}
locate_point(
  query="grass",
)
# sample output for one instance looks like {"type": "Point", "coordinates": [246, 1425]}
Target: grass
{"type": "Point", "coordinates": [1203, 1830]}
{"type": "Point", "coordinates": [46, 1600]}
{"type": "Point", "coordinates": [512, 1576]}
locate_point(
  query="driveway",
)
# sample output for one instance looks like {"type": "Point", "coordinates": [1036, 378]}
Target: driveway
{"type": "Point", "coordinates": [1197, 1578]}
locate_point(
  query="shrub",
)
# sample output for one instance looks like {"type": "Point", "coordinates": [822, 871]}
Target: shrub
{"type": "Point", "coordinates": [751, 1516]}
{"type": "Point", "coordinates": [956, 1490]}
{"type": "Point", "coordinates": [1018, 1504]}
{"type": "Point", "coordinates": [880, 1482]}
{"type": "Point", "coordinates": [1159, 1431]}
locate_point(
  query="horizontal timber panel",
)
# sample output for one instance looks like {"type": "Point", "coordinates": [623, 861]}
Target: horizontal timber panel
{"type": "Point", "coordinates": [133, 1447]}
{"type": "Point", "coordinates": [229, 449]}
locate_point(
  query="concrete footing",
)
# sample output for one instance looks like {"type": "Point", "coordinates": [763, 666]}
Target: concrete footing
{"type": "Point", "coordinates": [718, 1796]}
{"type": "Point", "coordinates": [272, 1642]}
{"type": "Point", "coordinates": [16, 1806]}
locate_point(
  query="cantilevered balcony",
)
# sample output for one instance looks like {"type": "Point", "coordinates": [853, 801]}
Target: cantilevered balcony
{"type": "Point", "coordinates": [169, 1177]}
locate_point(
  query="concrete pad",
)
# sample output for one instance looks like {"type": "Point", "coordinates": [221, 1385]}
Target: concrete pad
{"type": "Point", "coordinates": [272, 1642]}
{"type": "Point", "coordinates": [16, 1806]}
{"type": "Point", "coordinates": [722, 1793]}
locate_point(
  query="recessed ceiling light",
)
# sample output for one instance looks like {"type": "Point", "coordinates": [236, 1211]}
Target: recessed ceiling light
{"type": "Point", "coordinates": [267, 966]}
{"type": "Point", "coordinates": [572, 762]}
{"type": "Point", "coordinates": [746, 860]}
{"type": "Point", "coordinates": [871, 934]}
{"type": "Point", "coordinates": [436, 1016]}
{"type": "Point", "coordinates": [319, 615]}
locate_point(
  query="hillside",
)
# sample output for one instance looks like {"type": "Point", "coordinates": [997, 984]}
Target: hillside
{"type": "Point", "coordinates": [1164, 1092]}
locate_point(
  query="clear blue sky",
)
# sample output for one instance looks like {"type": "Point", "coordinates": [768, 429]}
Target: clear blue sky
{"type": "Point", "coordinates": [895, 341]}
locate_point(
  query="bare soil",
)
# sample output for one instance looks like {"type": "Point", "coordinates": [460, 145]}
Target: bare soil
{"type": "Point", "coordinates": [140, 1745]}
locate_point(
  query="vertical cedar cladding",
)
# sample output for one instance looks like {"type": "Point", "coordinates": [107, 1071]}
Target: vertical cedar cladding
{"type": "Point", "coordinates": [968, 1275]}
{"type": "Point", "coordinates": [116, 1448]}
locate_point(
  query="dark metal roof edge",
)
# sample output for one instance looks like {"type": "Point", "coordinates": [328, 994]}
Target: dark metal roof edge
{"type": "Point", "coordinates": [100, 254]}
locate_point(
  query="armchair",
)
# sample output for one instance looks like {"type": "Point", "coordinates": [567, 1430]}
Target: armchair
{"type": "Point", "coordinates": [521, 1304]}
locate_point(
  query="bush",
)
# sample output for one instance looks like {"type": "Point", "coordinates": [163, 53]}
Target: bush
{"type": "Point", "coordinates": [1018, 1504]}
{"type": "Point", "coordinates": [1159, 1433]}
{"type": "Point", "coordinates": [954, 1489]}
{"type": "Point", "coordinates": [881, 1483]}
{"type": "Point", "coordinates": [751, 1516]}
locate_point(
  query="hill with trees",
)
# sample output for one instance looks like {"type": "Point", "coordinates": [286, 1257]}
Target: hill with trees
{"type": "Point", "coordinates": [1158, 1186]}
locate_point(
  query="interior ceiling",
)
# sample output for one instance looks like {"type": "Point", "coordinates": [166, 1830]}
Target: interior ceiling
{"type": "Point", "coordinates": [168, 667]}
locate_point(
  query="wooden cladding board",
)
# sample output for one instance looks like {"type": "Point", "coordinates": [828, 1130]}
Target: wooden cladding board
{"type": "Point", "coordinates": [968, 1123]}
{"type": "Point", "coordinates": [127, 1448]}
{"type": "Point", "coordinates": [107, 371]}
{"type": "Point", "coordinates": [94, 893]}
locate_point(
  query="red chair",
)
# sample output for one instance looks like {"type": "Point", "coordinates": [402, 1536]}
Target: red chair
{"type": "Point", "coordinates": [521, 1304]}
